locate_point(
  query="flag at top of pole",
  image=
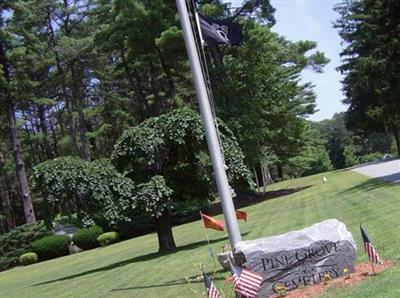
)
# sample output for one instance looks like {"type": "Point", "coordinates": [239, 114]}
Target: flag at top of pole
{"type": "Point", "coordinates": [189, 26]}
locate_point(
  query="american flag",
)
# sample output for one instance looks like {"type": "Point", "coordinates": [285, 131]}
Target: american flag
{"type": "Point", "coordinates": [212, 291]}
{"type": "Point", "coordinates": [373, 256]}
{"type": "Point", "coordinates": [246, 283]}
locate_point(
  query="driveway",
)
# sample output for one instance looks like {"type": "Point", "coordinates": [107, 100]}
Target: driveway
{"type": "Point", "coordinates": [388, 171]}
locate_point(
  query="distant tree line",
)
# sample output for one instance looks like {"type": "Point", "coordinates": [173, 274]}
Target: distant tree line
{"type": "Point", "coordinates": [347, 148]}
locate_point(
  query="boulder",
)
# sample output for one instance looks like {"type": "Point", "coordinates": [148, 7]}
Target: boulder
{"type": "Point", "coordinates": [315, 254]}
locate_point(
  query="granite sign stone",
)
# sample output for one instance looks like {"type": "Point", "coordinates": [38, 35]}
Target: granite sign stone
{"type": "Point", "coordinates": [323, 251]}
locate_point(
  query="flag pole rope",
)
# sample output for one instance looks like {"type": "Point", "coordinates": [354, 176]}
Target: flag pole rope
{"type": "Point", "coordinates": [205, 70]}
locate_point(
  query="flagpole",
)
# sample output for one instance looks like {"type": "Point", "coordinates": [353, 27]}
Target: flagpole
{"type": "Point", "coordinates": [221, 179]}
{"type": "Point", "coordinates": [373, 268]}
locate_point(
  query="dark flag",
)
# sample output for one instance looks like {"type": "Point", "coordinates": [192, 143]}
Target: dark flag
{"type": "Point", "coordinates": [212, 291]}
{"type": "Point", "coordinates": [373, 256]}
{"type": "Point", "coordinates": [216, 32]}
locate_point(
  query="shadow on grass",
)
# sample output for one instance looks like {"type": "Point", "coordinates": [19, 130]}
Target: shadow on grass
{"type": "Point", "coordinates": [180, 281]}
{"type": "Point", "coordinates": [370, 184]}
{"type": "Point", "coordinates": [142, 258]}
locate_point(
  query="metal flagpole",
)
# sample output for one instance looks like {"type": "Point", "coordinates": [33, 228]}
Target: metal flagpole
{"type": "Point", "coordinates": [224, 189]}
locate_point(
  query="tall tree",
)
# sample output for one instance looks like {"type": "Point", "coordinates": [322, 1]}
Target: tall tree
{"type": "Point", "coordinates": [167, 157]}
{"type": "Point", "coordinates": [9, 101]}
{"type": "Point", "coordinates": [261, 97]}
{"type": "Point", "coordinates": [371, 30]}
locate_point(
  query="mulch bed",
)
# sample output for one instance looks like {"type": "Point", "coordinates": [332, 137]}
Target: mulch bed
{"type": "Point", "coordinates": [362, 272]}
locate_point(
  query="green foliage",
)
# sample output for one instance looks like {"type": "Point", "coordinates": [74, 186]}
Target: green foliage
{"type": "Point", "coordinates": [61, 179]}
{"type": "Point", "coordinates": [370, 157]}
{"type": "Point", "coordinates": [369, 144]}
{"type": "Point", "coordinates": [313, 158]}
{"type": "Point", "coordinates": [154, 196]}
{"type": "Point", "coordinates": [97, 189]}
{"type": "Point", "coordinates": [86, 238]}
{"type": "Point", "coordinates": [260, 97]}
{"type": "Point", "coordinates": [28, 258]}
{"type": "Point", "coordinates": [108, 238]}
{"type": "Point", "coordinates": [109, 195]}
{"type": "Point", "coordinates": [350, 156]}
{"type": "Point", "coordinates": [71, 219]}
{"type": "Point", "coordinates": [51, 247]}
{"type": "Point", "coordinates": [370, 30]}
{"type": "Point", "coordinates": [168, 155]}
{"type": "Point", "coordinates": [19, 241]}
{"type": "Point", "coordinates": [212, 10]}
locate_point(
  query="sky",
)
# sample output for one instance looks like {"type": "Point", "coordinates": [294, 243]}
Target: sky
{"type": "Point", "coordinates": [312, 20]}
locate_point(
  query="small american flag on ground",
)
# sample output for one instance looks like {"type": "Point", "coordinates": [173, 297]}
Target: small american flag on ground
{"type": "Point", "coordinates": [246, 283]}
{"type": "Point", "coordinates": [373, 256]}
{"type": "Point", "coordinates": [212, 291]}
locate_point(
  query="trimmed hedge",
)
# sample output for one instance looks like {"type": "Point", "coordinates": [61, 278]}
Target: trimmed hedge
{"type": "Point", "coordinates": [19, 241]}
{"type": "Point", "coordinates": [108, 238]}
{"type": "Point", "coordinates": [51, 247]}
{"type": "Point", "coordinates": [87, 238]}
{"type": "Point", "coordinates": [28, 258]}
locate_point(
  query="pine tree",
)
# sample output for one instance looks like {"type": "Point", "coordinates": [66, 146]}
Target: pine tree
{"type": "Point", "coordinates": [9, 101]}
{"type": "Point", "coordinates": [371, 30]}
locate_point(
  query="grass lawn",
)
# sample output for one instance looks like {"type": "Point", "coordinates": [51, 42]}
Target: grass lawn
{"type": "Point", "coordinates": [133, 268]}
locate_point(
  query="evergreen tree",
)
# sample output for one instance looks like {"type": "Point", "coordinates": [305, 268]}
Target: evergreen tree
{"type": "Point", "coordinates": [371, 30]}
{"type": "Point", "coordinates": [8, 87]}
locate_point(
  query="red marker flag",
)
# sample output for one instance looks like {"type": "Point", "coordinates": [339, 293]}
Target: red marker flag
{"type": "Point", "coordinates": [241, 215]}
{"type": "Point", "coordinates": [212, 223]}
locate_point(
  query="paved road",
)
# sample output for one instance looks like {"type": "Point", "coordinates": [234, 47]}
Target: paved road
{"type": "Point", "coordinates": [388, 171]}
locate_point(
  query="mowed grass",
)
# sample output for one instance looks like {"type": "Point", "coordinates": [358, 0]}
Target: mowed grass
{"type": "Point", "coordinates": [133, 268]}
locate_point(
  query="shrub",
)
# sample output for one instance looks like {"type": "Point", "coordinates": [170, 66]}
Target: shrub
{"type": "Point", "coordinates": [66, 220]}
{"type": "Point", "coordinates": [28, 258]}
{"type": "Point", "coordinates": [87, 238]}
{"type": "Point", "coordinates": [108, 238]}
{"type": "Point", "coordinates": [51, 247]}
{"type": "Point", "coordinates": [374, 156]}
{"type": "Point", "coordinates": [19, 241]}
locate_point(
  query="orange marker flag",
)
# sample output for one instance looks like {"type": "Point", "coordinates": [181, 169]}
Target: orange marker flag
{"type": "Point", "coordinates": [212, 223]}
{"type": "Point", "coordinates": [241, 215]}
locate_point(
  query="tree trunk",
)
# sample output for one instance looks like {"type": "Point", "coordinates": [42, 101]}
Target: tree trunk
{"type": "Point", "coordinates": [43, 127]}
{"type": "Point", "coordinates": [163, 225]}
{"type": "Point", "coordinates": [266, 176]}
{"type": "Point", "coordinates": [5, 196]}
{"type": "Point", "coordinates": [256, 177]}
{"type": "Point", "coordinates": [280, 170]}
{"type": "Point", "coordinates": [396, 135]}
{"type": "Point", "coordinates": [68, 104]}
{"type": "Point", "coordinates": [170, 81]}
{"type": "Point", "coordinates": [158, 102]}
{"type": "Point", "coordinates": [78, 97]}
{"type": "Point", "coordinates": [23, 187]}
